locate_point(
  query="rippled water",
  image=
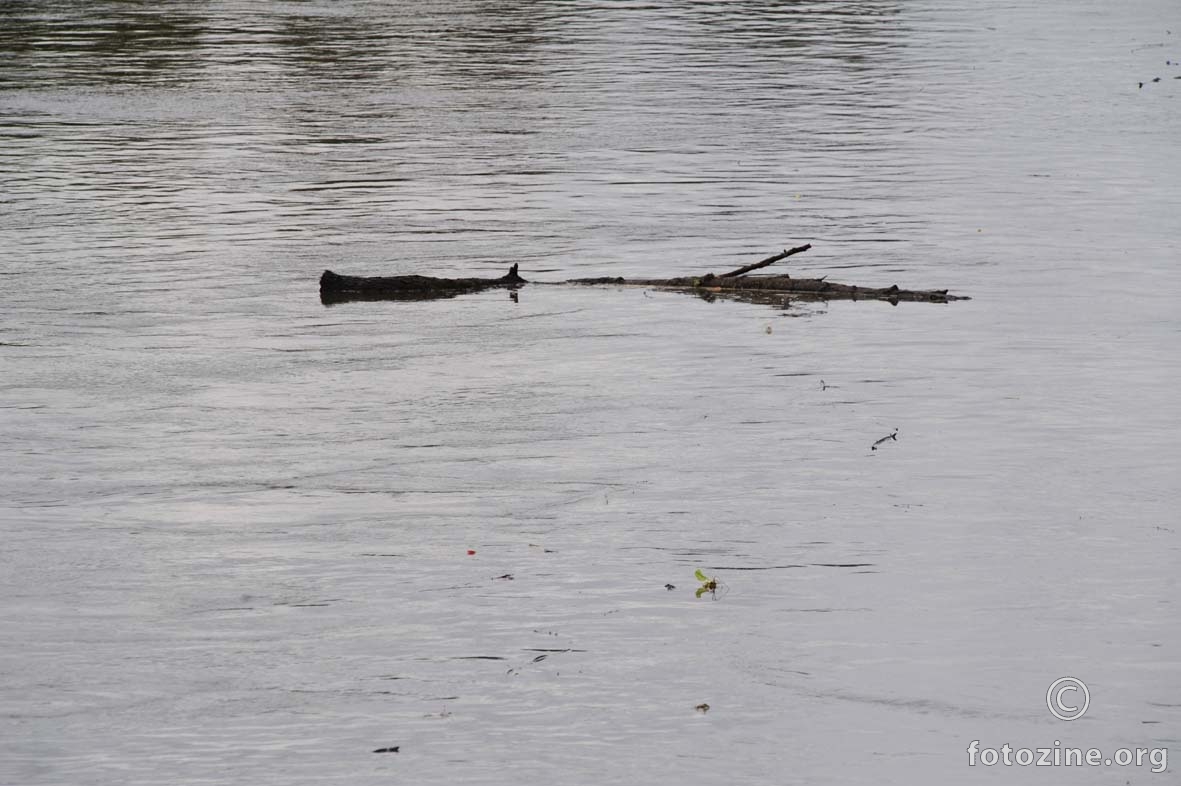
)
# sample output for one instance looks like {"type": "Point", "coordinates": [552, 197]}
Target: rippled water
{"type": "Point", "coordinates": [237, 523]}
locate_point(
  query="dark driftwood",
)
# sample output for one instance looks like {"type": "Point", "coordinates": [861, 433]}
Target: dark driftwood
{"type": "Point", "coordinates": [771, 288]}
{"type": "Point", "coordinates": [815, 288]}
{"type": "Point", "coordinates": [336, 288]}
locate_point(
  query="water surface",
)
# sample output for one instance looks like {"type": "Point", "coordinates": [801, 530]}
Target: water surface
{"type": "Point", "coordinates": [237, 523]}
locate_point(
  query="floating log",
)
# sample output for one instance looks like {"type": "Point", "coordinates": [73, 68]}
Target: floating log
{"type": "Point", "coordinates": [770, 288]}
{"type": "Point", "coordinates": [336, 288]}
{"type": "Point", "coordinates": [811, 288]}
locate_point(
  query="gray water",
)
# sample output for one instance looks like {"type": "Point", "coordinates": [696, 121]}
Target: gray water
{"type": "Point", "coordinates": [236, 523]}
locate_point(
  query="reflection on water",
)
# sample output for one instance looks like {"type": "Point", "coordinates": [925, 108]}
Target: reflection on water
{"type": "Point", "coordinates": [248, 534]}
{"type": "Point", "coordinates": [603, 133]}
{"type": "Point", "coordinates": [456, 44]}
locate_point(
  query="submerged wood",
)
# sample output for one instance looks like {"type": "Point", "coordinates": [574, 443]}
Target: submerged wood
{"type": "Point", "coordinates": [813, 288]}
{"type": "Point", "coordinates": [336, 288]}
{"type": "Point", "coordinates": [769, 288]}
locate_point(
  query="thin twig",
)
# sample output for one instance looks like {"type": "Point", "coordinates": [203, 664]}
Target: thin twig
{"type": "Point", "coordinates": [742, 271]}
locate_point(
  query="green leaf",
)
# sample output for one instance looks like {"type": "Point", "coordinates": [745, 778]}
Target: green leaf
{"type": "Point", "coordinates": [701, 591]}
{"type": "Point", "coordinates": [701, 576]}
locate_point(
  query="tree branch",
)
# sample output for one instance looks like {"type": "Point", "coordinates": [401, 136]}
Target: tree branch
{"type": "Point", "coordinates": [742, 271]}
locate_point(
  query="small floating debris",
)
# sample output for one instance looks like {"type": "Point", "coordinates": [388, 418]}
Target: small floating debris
{"type": "Point", "coordinates": [471, 552]}
{"type": "Point", "coordinates": [702, 708]}
{"type": "Point", "coordinates": [391, 749]}
{"type": "Point", "coordinates": [708, 584]}
{"type": "Point", "coordinates": [886, 438]}
{"type": "Point", "coordinates": [505, 577]}
{"type": "Point", "coordinates": [670, 587]}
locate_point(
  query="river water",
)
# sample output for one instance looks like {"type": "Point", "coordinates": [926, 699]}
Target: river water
{"type": "Point", "coordinates": [239, 525]}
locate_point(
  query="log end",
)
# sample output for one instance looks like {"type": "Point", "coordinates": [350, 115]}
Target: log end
{"type": "Point", "coordinates": [329, 281]}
